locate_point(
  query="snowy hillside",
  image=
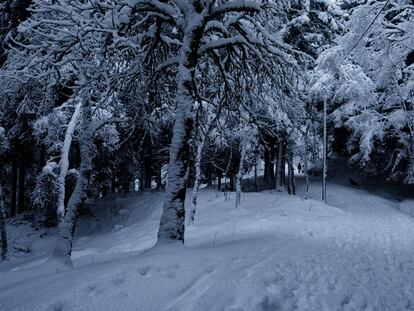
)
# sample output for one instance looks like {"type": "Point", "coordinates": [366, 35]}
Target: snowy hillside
{"type": "Point", "coordinates": [275, 252]}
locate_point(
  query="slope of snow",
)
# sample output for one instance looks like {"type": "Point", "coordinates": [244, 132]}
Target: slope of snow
{"type": "Point", "coordinates": [276, 252]}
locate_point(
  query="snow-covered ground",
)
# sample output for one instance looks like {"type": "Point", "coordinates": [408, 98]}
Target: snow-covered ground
{"type": "Point", "coordinates": [276, 252]}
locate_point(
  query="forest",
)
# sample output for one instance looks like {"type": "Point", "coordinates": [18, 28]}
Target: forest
{"type": "Point", "coordinates": [207, 155]}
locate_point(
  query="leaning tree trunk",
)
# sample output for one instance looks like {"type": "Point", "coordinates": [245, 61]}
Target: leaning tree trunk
{"type": "Point", "coordinates": [240, 174]}
{"type": "Point", "coordinates": [64, 162]}
{"type": "Point", "coordinates": [3, 231]}
{"type": "Point", "coordinates": [63, 249]}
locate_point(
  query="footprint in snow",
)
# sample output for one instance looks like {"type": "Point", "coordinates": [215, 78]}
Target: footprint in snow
{"type": "Point", "coordinates": [118, 281]}
{"type": "Point", "coordinates": [58, 306]}
{"type": "Point", "coordinates": [92, 289]}
{"type": "Point", "coordinates": [143, 271]}
{"type": "Point", "coordinates": [169, 272]}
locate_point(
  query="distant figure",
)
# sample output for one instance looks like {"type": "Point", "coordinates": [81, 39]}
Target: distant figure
{"type": "Point", "coordinates": [353, 182]}
{"type": "Point", "coordinates": [299, 168]}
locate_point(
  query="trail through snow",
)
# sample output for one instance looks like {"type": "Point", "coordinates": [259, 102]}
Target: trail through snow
{"type": "Point", "coordinates": [276, 252]}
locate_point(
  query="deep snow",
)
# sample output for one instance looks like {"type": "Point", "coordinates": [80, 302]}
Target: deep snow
{"type": "Point", "coordinates": [275, 252]}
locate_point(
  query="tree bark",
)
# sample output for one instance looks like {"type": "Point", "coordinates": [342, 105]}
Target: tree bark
{"type": "Point", "coordinates": [279, 166]}
{"type": "Point", "coordinates": [21, 183]}
{"type": "Point", "coordinates": [283, 162]}
{"type": "Point", "coordinates": [219, 176]}
{"type": "Point", "coordinates": [13, 194]}
{"type": "Point", "coordinates": [291, 173]}
{"type": "Point", "coordinates": [159, 175]}
{"type": "Point", "coordinates": [3, 232]}
{"type": "Point", "coordinates": [256, 184]}
{"type": "Point", "coordinates": [269, 165]}
{"type": "Point", "coordinates": [240, 173]}
{"type": "Point", "coordinates": [306, 159]}
{"type": "Point", "coordinates": [147, 164]}
{"type": "Point", "coordinates": [172, 219]}
{"type": "Point", "coordinates": [324, 168]}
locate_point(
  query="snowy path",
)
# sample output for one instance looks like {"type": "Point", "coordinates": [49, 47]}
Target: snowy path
{"type": "Point", "coordinates": [275, 253]}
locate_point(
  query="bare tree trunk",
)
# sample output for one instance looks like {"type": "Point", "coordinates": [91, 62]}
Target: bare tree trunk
{"type": "Point", "coordinates": [291, 173]}
{"type": "Point", "coordinates": [3, 231]}
{"type": "Point", "coordinates": [147, 164]}
{"type": "Point", "coordinates": [283, 171]}
{"type": "Point", "coordinates": [13, 195]}
{"type": "Point", "coordinates": [269, 165]}
{"type": "Point", "coordinates": [21, 183]}
{"type": "Point", "coordinates": [226, 175]}
{"type": "Point", "coordinates": [240, 173]}
{"type": "Point", "coordinates": [324, 170]}
{"type": "Point", "coordinates": [219, 175]}
{"type": "Point", "coordinates": [256, 184]}
{"type": "Point", "coordinates": [113, 182]}
{"type": "Point", "coordinates": [279, 166]}
{"type": "Point", "coordinates": [159, 175]}
{"type": "Point", "coordinates": [306, 159]}
{"type": "Point", "coordinates": [63, 249]}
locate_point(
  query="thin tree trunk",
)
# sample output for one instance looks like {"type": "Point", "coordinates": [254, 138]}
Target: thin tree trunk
{"type": "Point", "coordinates": [64, 162]}
{"type": "Point", "coordinates": [231, 183]}
{"type": "Point", "coordinates": [210, 176]}
{"type": "Point", "coordinates": [194, 194]}
{"type": "Point", "coordinates": [291, 173]}
{"type": "Point", "coordinates": [305, 160]}
{"type": "Point", "coordinates": [199, 155]}
{"type": "Point", "coordinates": [113, 182]}
{"type": "Point", "coordinates": [279, 166]}
{"type": "Point", "coordinates": [13, 195]}
{"type": "Point", "coordinates": [219, 175]}
{"type": "Point", "coordinates": [63, 249]}
{"type": "Point", "coordinates": [21, 183]}
{"type": "Point", "coordinates": [4, 251]}
{"type": "Point", "coordinates": [269, 166]}
{"type": "Point", "coordinates": [147, 169]}
{"type": "Point", "coordinates": [226, 175]}
{"type": "Point", "coordinates": [283, 171]}
{"type": "Point", "coordinates": [159, 176]}
{"type": "Point", "coordinates": [289, 180]}
{"type": "Point", "coordinates": [324, 169]}
{"type": "Point", "coordinates": [240, 173]}
{"type": "Point", "coordinates": [256, 184]}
